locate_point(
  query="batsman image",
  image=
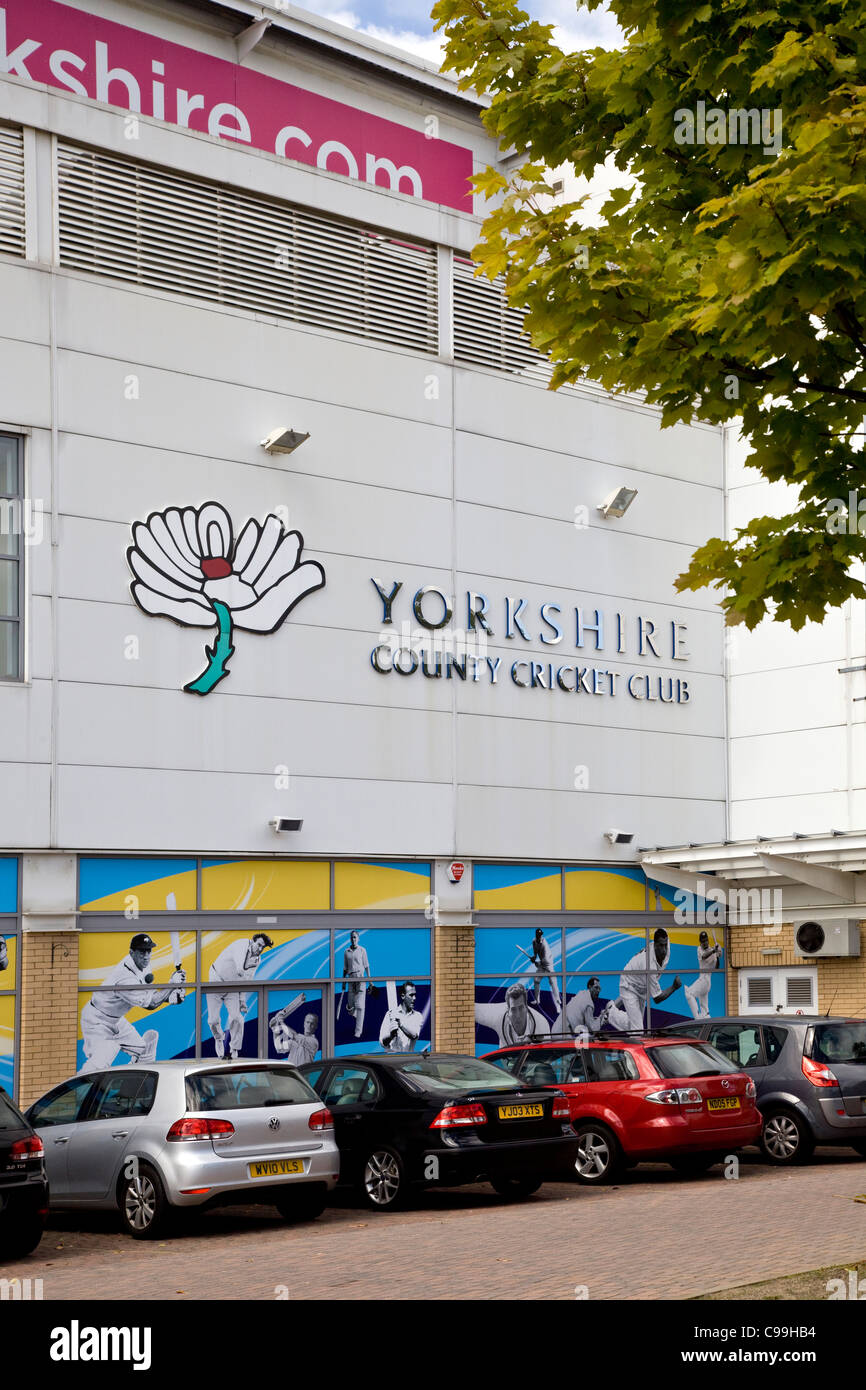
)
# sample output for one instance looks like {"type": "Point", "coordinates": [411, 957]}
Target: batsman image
{"type": "Point", "coordinates": [514, 1021]}
{"type": "Point", "coordinates": [355, 964]}
{"type": "Point", "coordinates": [542, 957]}
{"type": "Point", "coordinates": [698, 992]}
{"type": "Point", "coordinates": [402, 1024]}
{"type": "Point", "coordinates": [104, 1026]}
{"type": "Point", "coordinates": [296, 1047]}
{"type": "Point", "coordinates": [239, 961]}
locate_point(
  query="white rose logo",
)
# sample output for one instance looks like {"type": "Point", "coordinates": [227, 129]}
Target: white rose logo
{"type": "Point", "coordinates": [189, 567]}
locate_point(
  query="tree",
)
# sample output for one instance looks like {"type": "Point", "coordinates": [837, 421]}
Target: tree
{"type": "Point", "coordinates": [728, 280]}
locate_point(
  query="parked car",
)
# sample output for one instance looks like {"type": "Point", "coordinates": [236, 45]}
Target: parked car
{"type": "Point", "coordinates": [151, 1140]}
{"type": "Point", "coordinates": [642, 1098]}
{"type": "Point", "coordinates": [810, 1074]}
{"type": "Point", "coordinates": [23, 1185]}
{"type": "Point", "coordinates": [405, 1122]}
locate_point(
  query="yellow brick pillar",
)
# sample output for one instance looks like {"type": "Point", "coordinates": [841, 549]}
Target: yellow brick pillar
{"type": "Point", "coordinates": [49, 1011]}
{"type": "Point", "coordinates": [454, 962]}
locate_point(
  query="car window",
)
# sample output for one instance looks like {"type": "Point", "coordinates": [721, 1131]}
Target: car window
{"type": "Point", "coordinates": [610, 1064]}
{"type": "Point", "coordinates": [689, 1059]}
{"type": "Point", "coordinates": [453, 1075]}
{"type": "Point", "coordinates": [351, 1085]}
{"type": "Point", "coordinates": [123, 1095]}
{"type": "Point", "coordinates": [312, 1074]}
{"type": "Point", "coordinates": [548, 1066]}
{"type": "Point", "coordinates": [508, 1061]}
{"type": "Point", "coordinates": [247, 1089]}
{"type": "Point", "coordinates": [62, 1106]}
{"type": "Point", "coordinates": [774, 1041]}
{"type": "Point", "coordinates": [739, 1042]}
{"type": "Point", "coordinates": [840, 1043]}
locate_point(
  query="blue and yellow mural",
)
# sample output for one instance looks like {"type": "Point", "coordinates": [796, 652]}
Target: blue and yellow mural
{"type": "Point", "coordinates": [381, 885]}
{"type": "Point", "coordinates": [137, 885]}
{"type": "Point", "coordinates": [517, 888]}
{"type": "Point", "coordinates": [265, 885]}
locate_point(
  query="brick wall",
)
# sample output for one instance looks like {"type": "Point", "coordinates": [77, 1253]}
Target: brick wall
{"type": "Point", "coordinates": [841, 980]}
{"type": "Point", "coordinates": [454, 955]}
{"type": "Point", "coordinates": [49, 1011]}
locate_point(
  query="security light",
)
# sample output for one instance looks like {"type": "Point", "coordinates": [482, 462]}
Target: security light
{"type": "Point", "coordinates": [618, 503]}
{"type": "Point", "coordinates": [619, 837]}
{"type": "Point", "coordinates": [279, 823]}
{"type": "Point", "coordinates": [283, 441]}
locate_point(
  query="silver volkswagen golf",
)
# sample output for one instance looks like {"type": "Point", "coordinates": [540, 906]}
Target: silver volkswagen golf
{"type": "Point", "coordinates": [149, 1140]}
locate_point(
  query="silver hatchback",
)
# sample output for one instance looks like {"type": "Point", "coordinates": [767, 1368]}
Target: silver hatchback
{"type": "Point", "coordinates": [151, 1140]}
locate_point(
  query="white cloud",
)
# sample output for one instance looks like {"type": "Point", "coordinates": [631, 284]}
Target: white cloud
{"type": "Point", "coordinates": [428, 46]}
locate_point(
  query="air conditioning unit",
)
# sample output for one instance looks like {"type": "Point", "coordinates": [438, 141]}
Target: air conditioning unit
{"type": "Point", "coordinates": [826, 936]}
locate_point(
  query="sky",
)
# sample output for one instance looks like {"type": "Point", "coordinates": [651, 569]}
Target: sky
{"type": "Point", "coordinates": [407, 23]}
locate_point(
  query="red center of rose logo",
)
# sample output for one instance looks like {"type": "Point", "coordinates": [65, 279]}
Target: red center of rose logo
{"type": "Point", "coordinates": [215, 569]}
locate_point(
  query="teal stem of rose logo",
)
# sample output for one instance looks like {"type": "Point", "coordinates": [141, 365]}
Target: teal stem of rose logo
{"type": "Point", "coordinates": [188, 565]}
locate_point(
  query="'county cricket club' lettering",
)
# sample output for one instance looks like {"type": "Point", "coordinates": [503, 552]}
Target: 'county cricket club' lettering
{"type": "Point", "coordinates": [438, 651]}
{"type": "Point", "coordinates": [95, 58]}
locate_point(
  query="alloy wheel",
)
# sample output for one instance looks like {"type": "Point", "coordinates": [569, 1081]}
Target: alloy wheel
{"type": "Point", "coordinates": [140, 1202]}
{"type": "Point", "coordinates": [382, 1178]}
{"type": "Point", "coordinates": [593, 1155]}
{"type": "Point", "coordinates": [781, 1136]}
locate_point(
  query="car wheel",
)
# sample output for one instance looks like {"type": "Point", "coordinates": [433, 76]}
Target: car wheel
{"type": "Point", "coordinates": [785, 1138]}
{"type": "Point", "coordinates": [598, 1154]}
{"type": "Point", "coordinates": [144, 1207]}
{"type": "Point", "coordinates": [20, 1238]}
{"type": "Point", "coordinates": [515, 1189]}
{"type": "Point", "coordinates": [301, 1206]}
{"type": "Point", "coordinates": [383, 1180]}
{"type": "Point", "coordinates": [692, 1165]}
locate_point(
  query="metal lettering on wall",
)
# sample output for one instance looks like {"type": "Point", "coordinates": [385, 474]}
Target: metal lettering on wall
{"type": "Point", "coordinates": [438, 650]}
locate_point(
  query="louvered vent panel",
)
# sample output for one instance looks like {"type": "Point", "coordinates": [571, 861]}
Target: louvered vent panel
{"type": "Point", "coordinates": [798, 991]}
{"type": "Point", "coordinates": [760, 991]}
{"type": "Point", "coordinates": [487, 331]}
{"type": "Point", "coordinates": [136, 222]}
{"type": "Point", "coordinates": [12, 232]}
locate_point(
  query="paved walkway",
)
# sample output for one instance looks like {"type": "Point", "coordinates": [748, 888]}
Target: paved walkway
{"type": "Point", "coordinates": [655, 1236]}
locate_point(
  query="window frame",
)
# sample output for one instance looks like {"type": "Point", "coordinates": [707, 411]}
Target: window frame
{"type": "Point", "coordinates": [19, 560]}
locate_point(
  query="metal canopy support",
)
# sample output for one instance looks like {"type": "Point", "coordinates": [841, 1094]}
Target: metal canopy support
{"type": "Point", "coordinates": [247, 39]}
{"type": "Point", "coordinates": [701, 885]}
{"type": "Point", "coordinates": [850, 887]}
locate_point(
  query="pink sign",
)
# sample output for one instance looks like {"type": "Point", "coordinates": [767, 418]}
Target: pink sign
{"type": "Point", "coordinates": [41, 41]}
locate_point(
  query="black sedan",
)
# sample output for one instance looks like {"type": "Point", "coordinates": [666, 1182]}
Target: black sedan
{"type": "Point", "coordinates": [406, 1122]}
{"type": "Point", "coordinates": [23, 1186]}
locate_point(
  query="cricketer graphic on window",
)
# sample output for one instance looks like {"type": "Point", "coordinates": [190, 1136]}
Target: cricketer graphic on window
{"type": "Point", "coordinates": [106, 1028]}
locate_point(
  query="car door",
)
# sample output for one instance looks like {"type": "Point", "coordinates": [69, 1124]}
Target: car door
{"type": "Point", "coordinates": [55, 1118]}
{"type": "Point", "coordinates": [120, 1103]}
{"type": "Point", "coordinates": [352, 1092]}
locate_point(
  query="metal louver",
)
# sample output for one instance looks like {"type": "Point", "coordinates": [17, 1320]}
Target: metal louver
{"type": "Point", "coordinates": [759, 991]}
{"type": "Point", "coordinates": [487, 331]}
{"type": "Point", "coordinates": [12, 227]}
{"type": "Point", "coordinates": [798, 991]}
{"type": "Point", "coordinates": [140, 223]}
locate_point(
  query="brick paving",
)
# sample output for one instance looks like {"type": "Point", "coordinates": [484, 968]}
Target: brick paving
{"type": "Point", "coordinates": [655, 1236]}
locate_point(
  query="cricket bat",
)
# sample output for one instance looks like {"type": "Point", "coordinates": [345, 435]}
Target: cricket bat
{"type": "Point", "coordinates": [340, 1005]}
{"type": "Point", "coordinates": [391, 991]}
{"type": "Point", "coordinates": [176, 953]}
{"type": "Point", "coordinates": [287, 1008]}
{"type": "Point", "coordinates": [526, 953]}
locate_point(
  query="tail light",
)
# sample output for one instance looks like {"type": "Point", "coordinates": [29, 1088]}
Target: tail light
{"type": "Point", "coordinates": [196, 1127]}
{"type": "Point", "coordinates": [32, 1147]}
{"type": "Point", "coordinates": [321, 1119]}
{"type": "Point", "coordinates": [751, 1089]}
{"type": "Point", "coordinates": [560, 1109]}
{"type": "Point", "coordinates": [818, 1075]}
{"type": "Point", "coordinates": [453, 1115]}
{"type": "Point", "coordinates": [683, 1095]}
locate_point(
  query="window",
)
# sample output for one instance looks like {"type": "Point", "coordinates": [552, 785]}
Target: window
{"type": "Point", "coordinates": [774, 1041]}
{"type": "Point", "coordinates": [610, 1064]}
{"type": "Point", "coordinates": [12, 520]}
{"type": "Point", "coordinates": [740, 1044]}
{"type": "Point", "coordinates": [550, 1066]}
{"type": "Point", "coordinates": [247, 1089]}
{"type": "Point", "coordinates": [351, 1086]}
{"type": "Point", "coordinates": [124, 1095]}
{"type": "Point", "coordinates": [508, 1061]}
{"type": "Point", "coordinates": [687, 1059]}
{"type": "Point", "coordinates": [61, 1106]}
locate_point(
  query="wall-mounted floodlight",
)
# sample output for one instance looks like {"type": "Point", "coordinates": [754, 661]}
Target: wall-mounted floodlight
{"type": "Point", "coordinates": [618, 503]}
{"type": "Point", "coordinates": [279, 824]}
{"type": "Point", "coordinates": [619, 837]}
{"type": "Point", "coordinates": [283, 441]}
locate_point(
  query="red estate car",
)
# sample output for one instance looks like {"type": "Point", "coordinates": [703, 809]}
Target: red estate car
{"type": "Point", "coordinates": [640, 1098]}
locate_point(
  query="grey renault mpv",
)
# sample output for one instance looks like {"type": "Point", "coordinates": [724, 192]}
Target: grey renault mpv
{"type": "Point", "coordinates": [810, 1075]}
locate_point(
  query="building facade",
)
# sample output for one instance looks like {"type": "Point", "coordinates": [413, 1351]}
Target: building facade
{"type": "Point", "coordinates": [312, 633]}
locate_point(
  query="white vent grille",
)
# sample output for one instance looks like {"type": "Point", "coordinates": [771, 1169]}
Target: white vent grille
{"type": "Point", "coordinates": [799, 992]}
{"type": "Point", "coordinates": [12, 229]}
{"type": "Point", "coordinates": [144, 224]}
{"type": "Point", "coordinates": [487, 331]}
{"type": "Point", "coordinates": [759, 991]}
